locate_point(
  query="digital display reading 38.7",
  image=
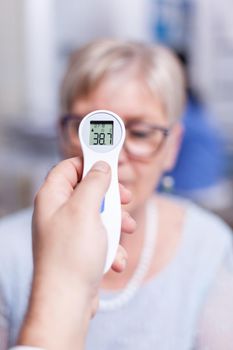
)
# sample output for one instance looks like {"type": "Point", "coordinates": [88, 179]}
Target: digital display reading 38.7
{"type": "Point", "coordinates": [101, 132]}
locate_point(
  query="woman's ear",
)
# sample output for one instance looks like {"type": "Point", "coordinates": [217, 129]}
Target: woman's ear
{"type": "Point", "coordinates": [173, 146]}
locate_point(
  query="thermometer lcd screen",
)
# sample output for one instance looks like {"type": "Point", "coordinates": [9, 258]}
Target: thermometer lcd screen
{"type": "Point", "coordinates": [101, 132]}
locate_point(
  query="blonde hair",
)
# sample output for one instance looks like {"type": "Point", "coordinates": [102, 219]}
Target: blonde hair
{"type": "Point", "coordinates": [157, 65]}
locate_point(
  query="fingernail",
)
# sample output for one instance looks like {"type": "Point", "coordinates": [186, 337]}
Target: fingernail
{"type": "Point", "coordinates": [101, 166]}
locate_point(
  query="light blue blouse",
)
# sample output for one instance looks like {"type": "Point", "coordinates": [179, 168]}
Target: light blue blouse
{"type": "Point", "coordinates": [188, 305]}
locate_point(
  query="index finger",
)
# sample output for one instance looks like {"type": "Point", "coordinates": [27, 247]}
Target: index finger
{"type": "Point", "coordinates": [59, 184]}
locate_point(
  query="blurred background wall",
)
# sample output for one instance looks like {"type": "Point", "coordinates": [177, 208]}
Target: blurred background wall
{"type": "Point", "coordinates": [36, 39]}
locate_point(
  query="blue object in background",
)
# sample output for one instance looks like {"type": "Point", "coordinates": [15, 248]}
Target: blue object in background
{"type": "Point", "coordinates": [171, 23]}
{"type": "Point", "coordinates": [201, 161]}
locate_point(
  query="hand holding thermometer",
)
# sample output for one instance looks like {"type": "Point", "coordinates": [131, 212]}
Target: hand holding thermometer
{"type": "Point", "coordinates": [102, 134]}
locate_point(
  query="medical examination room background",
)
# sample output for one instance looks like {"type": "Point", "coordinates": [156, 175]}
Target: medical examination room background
{"type": "Point", "coordinates": [36, 39]}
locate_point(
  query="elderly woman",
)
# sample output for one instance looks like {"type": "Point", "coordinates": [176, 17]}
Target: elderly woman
{"type": "Point", "coordinates": [177, 290]}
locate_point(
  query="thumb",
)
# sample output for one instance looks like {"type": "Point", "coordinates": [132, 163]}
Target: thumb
{"type": "Point", "coordinates": [91, 190]}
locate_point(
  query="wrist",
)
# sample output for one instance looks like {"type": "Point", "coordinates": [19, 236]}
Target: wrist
{"type": "Point", "coordinates": [58, 315]}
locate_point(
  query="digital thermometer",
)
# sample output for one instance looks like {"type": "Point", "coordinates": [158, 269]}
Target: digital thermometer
{"type": "Point", "coordinates": [102, 134]}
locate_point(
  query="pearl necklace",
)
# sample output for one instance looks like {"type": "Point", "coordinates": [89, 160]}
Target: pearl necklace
{"type": "Point", "coordinates": [147, 254]}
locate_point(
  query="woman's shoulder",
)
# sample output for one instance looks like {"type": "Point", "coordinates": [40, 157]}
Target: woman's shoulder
{"type": "Point", "coordinates": [15, 226]}
{"type": "Point", "coordinates": [204, 234]}
{"type": "Point", "coordinates": [15, 263]}
{"type": "Point", "coordinates": [206, 242]}
{"type": "Point", "coordinates": [206, 224]}
{"type": "Point", "coordinates": [207, 238]}
{"type": "Point", "coordinates": [198, 220]}
{"type": "Point", "coordinates": [15, 240]}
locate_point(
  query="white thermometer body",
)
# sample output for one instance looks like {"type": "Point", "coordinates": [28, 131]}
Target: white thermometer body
{"type": "Point", "coordinates": [102, 134]}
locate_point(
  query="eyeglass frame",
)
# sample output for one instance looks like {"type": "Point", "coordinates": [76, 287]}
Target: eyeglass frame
{"type": "Point", "coordinates": [64, 119]}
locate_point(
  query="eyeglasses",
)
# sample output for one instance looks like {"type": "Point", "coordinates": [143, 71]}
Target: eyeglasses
{"type": "Point", "coordinates": [143, 140]}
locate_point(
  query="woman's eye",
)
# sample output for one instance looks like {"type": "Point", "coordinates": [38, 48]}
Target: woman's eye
{"type": "Point", "coordinates": [139, 134]}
